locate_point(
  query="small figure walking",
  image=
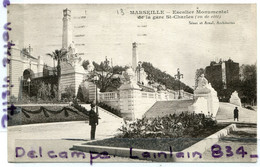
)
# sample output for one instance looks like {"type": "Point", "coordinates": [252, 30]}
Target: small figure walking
{"type": "Point", "coordinates": [93, 121]}
{"type": "Point", "coordinates": [236, 114]}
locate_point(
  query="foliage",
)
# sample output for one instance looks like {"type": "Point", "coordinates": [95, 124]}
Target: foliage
{"type": "Point", "coordinates": [77, 106]}
{"type": "Point", "coordinates": [118, 69]}
{"type": "Point", "coordinates": [110, 109]}
{"type": "Point", "coordinates": [171, 126]}
{"type": "Point", "coordinates": [68, 94]}
{"type": "Point", "coordinates": [13, 99]}
{"type": "Point", "coordinates": [44, 91]}
{"type": "Point", "coordinates": [100, 104]}
{"type": "Point", "coordinates": [39, 114]}
{"type": "Point", "coordinates": [55, 93]}
{"type": "Point", "coordinates": [85, 64]}
{"type": "Point", "coordinates": [59, 55]}
{"type": "Point", "coordinates": [106, 75]}
{"type": "Point", "coordinates": [156, 75]}
{"type": "Point", "coordinates": [249, 84]}
{"type": "Point", "coordinates": [83, 94]}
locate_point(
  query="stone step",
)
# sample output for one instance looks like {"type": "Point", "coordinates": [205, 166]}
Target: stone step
{"type": "Point", "coordinates": [105, 116]}
{"type": "Point", "coordinates": [162, 108]}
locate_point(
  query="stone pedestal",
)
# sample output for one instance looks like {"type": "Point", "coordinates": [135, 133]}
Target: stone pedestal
{"type": "Point", "coordinates": [71, 76]}
{"type": "Point", "coordinates": [206, 100]}
{"type": "Point", "coordinates": [234, 99]}
{"type": "Point", "coordinates": [129, 93]}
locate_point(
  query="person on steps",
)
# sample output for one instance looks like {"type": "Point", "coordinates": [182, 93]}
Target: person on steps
{"type": "Point", "coordinates": [236, 114]}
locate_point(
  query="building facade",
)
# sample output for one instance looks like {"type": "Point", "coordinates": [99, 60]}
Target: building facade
{"type": "Point", "coordinates": [224, 77]}
{"type": "Point", "coordinates": [25, 67]}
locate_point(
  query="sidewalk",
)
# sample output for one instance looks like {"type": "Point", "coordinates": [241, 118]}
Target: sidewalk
{"type": "Point", "coordinates": [245, 136]}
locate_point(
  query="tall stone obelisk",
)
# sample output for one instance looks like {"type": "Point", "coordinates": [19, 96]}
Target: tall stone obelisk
{"type": "Point", "coordinates": [134, 56]}
{"type": "Point", "coordinates": [72, 72]}
{"type": "Point", "coordinates": [67, 29]}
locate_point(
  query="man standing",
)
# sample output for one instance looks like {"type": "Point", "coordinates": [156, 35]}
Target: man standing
{"type": "Point", "coordinates": [93, 121]}
{"type": "Point", "coordinates": [236, 114]}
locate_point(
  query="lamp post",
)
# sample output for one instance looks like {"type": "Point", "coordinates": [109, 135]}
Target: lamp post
{"type": "Point", "coordinates": [96, 78]}
{"type": "Point", "coordinates": [178, 76]}
{"type": "Point", "coordinates": [29, 89]}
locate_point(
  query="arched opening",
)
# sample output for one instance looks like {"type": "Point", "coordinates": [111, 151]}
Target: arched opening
{"type": "Point", "coordinates": [28, 73]}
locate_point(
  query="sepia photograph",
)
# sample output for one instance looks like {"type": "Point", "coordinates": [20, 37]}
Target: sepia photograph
{"type": "Point", "coordinates": [136, 83]}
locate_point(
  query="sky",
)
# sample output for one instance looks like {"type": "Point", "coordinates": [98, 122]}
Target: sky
{"type": "Point", "coordinates": [166, 43]}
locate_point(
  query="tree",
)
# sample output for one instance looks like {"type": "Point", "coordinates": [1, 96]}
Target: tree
{"type": "Point", "coordinates": [85, 64]}
{"type": "Point", "coordinates": [59, 55]}
{"type": "Point", "coordinates": [118, 69]}
{"type": "Point", "coordinates": [198, 73]}
{"type": "Point", "coordinates": [156, 75]}
{"type": "Point", "coordinates": [44, 91]}
{"type": "Point", "coordinates": [106, 75]}
{"type": "Point", "coordinates": [83, 94]}
{"type": "Point", "coordinates": [248, 83]}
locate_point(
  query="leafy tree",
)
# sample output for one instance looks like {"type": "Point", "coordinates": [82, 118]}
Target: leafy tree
{"type": "Point", "coordinates": [118, 69]}
{"type": "Point", "coordinates": [106, 75]}
{"type": "Point", "coordinates": [83, 94]}
{"type": "Point", "coordinates": [59, 55]}
{"type": "Point", "coordinates": [44, 91]}
{"type": "Point", "coordinates": [85, 64]}
{"type": "Point", "coordinates": [249, 83]}
{"type": "Point", "coordinates": [68, 93]}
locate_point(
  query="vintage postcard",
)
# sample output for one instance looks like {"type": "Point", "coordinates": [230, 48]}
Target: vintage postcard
{"type": "Point", "coordinates": [131, 82]}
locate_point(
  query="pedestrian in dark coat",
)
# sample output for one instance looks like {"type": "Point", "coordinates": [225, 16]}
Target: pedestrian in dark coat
{"type": "Point", "coordinates": [236, 114]}
{"type": "Point", "coordinates": [93, 121]}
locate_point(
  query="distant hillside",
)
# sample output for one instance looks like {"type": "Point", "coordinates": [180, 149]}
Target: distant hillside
{"type": "Point", "coordinates": [156, 75]}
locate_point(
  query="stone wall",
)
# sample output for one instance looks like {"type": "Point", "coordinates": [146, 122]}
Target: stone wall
{"type": "Point", "coordinates": [134, 103]}
{"type": "Point", "coordinates": [110, 98]}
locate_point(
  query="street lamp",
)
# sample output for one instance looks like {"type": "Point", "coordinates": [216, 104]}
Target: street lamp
{"type": "Point", "coordinates": [29, 90]}
{"type": "Point", "coordinates": [178, 76]}
{"type": "Point", "coordinates": [96, 78]}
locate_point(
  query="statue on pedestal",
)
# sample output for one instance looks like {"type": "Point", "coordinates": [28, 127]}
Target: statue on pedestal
{"type": "Point", "coordinates": [72, 57]}
{"type": "Point", "coordinates": [129, 76]}
{"type": "Point", "coordinates": [203, 86]}
{"type": "Point", "coordinates": [202, 82]}
{"type": "Point", "coordinates": [206, 98]}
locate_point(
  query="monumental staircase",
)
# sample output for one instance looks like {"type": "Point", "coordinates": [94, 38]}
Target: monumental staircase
{"type": "Point", "coordinates": [225, 114]}
{"type": "Point", "coordinates": [163, 108]}
{"type": "Point", "coordinates": [108, 122]}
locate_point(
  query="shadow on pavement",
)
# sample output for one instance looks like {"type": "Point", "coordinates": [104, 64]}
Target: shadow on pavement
{"type": "Point", "coordinates": [74, 139]}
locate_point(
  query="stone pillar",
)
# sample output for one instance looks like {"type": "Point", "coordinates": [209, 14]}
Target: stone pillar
{"type": "Point", "coordinates": [134, 56]}
{"type": "Point", "coordinates": [39, 65]}
{"type": "Point", "coordinates": [67, 29]}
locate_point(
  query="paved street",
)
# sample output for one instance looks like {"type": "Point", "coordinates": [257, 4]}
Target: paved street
{"type": "Point", "coordinates": [61, 136]}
